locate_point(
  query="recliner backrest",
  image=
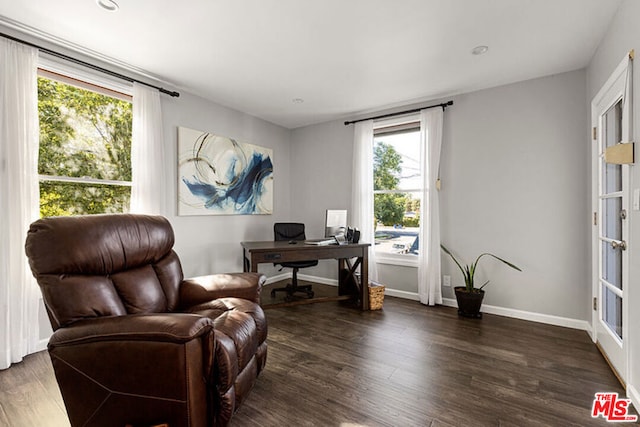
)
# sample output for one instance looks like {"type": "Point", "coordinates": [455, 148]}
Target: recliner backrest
{"type": "Point", "coordinates": [104, 265]}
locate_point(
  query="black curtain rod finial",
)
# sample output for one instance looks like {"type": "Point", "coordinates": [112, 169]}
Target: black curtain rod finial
{"type": "Point", "coordinates": [170, 93]}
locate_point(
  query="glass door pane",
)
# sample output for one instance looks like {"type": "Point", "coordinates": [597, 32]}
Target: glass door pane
{"type": "Point", "coordinates": [612, 311]}
{"type": "Point", "coordinates": [612, 135]}
{"type": "Point", "coordinates": [611, 265]}
{"type": "Point", "coordinates": [612, 177]}
{"type": "Point", "coordinates": [612, 226]}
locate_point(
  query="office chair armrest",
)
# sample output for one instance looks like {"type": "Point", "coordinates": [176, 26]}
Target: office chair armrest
{"type": "Point", "coordinates": [198, 290]}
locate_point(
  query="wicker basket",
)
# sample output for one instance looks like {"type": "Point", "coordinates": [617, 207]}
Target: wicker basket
{"type": "Point", "coordinates": [376, 296]}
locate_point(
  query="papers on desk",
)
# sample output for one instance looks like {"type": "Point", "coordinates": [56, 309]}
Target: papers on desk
{"type": "Point", "coordinates": [321, 242]}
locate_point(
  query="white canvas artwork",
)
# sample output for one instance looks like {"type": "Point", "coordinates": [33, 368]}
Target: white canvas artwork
{"type": "Point", "coordinates": [218, 175]}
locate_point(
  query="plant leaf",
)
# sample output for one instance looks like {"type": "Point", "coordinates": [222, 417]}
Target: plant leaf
{"type": "Point", "coordinates": [448, 252]}
{"type": "Point", "coordinates": [499, 259]}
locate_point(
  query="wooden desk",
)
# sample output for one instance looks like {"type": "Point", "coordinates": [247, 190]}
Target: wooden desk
{"type": "Point", "coordinates": [255, 253]}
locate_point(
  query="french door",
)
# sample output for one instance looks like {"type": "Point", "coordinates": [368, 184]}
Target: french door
{"type": "Point", "coordinates": [610, 111]}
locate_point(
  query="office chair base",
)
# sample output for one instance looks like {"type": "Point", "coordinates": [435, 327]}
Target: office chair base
{"type": "Point", "coordinates": [291, 290]}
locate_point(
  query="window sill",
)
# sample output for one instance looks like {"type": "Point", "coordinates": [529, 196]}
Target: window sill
{"type": "Point", "coordinates": [396, 259]}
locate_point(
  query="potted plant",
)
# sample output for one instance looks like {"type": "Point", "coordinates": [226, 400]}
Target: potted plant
{"type": "Point", "coordinates": [469, 297]}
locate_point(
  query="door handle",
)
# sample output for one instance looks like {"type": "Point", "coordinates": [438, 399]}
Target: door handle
{"type": "Point", "coordinates": [621, 244]}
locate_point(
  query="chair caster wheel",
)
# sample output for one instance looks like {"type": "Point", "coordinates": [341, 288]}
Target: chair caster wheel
{"type": "Point", "coordinates": [273, 293]}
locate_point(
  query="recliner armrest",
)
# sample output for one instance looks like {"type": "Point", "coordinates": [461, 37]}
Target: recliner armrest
{"type": "Point", "coordinates": [139, 368]}
{"type": "Point", "coordinates": [158, 327]}
{"type": "Point", "coordinates": [198, 290]}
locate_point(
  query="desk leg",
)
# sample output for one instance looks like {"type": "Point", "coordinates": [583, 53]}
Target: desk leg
{"type": "Point", "coordinates": [247, 262]}
{"type": "Point", "coordinates": [344, 280]}
{"type": "Point", "coordinates": [341, 284]}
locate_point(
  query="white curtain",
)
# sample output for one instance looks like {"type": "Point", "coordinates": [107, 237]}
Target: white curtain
{"type": "Point", "coordinates": [362, 215]}
{"type": "Point", "coordinates": [19, 293]}
{"type": "Point", "coordinates": [149, 187]}
{"type": "Point", "coordinates": [429, 268]}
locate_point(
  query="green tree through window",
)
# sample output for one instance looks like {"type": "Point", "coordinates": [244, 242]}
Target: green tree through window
{"type": "Point", "coordinates": [85, 150]}
{"type": "Point", "coordinates": [389, 208]}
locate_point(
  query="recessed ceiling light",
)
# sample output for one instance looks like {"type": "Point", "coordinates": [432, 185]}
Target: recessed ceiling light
{"type": "Point", "coordinates": [479, 50]}
{"type": "Point", "coordinates": [109, 5]}
{"type": "Point", "coordinates": [297, 100]}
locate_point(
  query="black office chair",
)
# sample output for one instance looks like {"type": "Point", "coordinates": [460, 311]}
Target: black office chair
{"type": "Point", "coordinates": [292, 231]}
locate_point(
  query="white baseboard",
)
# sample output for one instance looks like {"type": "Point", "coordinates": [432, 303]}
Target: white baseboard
{"type": "Point", "coordinates": [451, 302]}
{"type": "Point", "coordinates": [41, 345]}
{"type": "Point", "coordinates": [402, 294]}
{"type": "Point", "coordinates": [321, 280]}
{"type": "Point", "coordinates": [308, 278]}
{"type": "Point", "coordinates": [528, 315]}
{"type": "Point", "coordinates": [634, 395]}
{"type": "Point", "coordinates": [332, 282]}
{"type": "Point", "coordinates": [277, 278]}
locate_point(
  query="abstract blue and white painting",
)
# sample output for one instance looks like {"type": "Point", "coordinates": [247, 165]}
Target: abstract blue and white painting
{"type": "Point", "coordinates": [218, 175]}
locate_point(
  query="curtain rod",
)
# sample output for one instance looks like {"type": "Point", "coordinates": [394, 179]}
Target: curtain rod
{"type": "Point", "coordinates": [399, 113]}
{"type": "Point", "coordinates": [88, 65]}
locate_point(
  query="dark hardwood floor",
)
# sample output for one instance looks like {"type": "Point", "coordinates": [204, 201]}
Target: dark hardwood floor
{"type": "Point", "coordinates": [407, 365]}
{"type": "Point", "coordinates": [29, 394]}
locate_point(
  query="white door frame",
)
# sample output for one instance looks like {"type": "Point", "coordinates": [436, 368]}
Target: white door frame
{"type": "Point", "coordinates": [617, 87]}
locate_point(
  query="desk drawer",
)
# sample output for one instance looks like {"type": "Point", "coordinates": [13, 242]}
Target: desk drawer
{"type": "Point", "coordinates": [307, 253]}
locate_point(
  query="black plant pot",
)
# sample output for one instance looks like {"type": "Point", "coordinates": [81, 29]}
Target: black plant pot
{"type": "Point", "coordinates": [469, 302]}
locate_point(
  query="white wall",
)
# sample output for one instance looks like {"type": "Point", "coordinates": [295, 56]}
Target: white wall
{"type": "Point", "coordinates": [623, 36]}
{"type": "Point", "coordinates": [515, 182]}
{"type": "Point", "coordinates": [515, 170]}
{"type": "Point", "coordinates": [320, 180]}
{"type": "Point", "coordinates": [211, 244]}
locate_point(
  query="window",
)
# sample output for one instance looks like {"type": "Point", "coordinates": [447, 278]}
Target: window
{"type": "Point", "coordinates": [84, 161]}
{"type": "Point", "coordinates": [397, 182]}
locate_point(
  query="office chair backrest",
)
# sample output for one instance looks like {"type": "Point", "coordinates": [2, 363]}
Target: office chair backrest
{"type": "Point", "coordinates": [288, 231]}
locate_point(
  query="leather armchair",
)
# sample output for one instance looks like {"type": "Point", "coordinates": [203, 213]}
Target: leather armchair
{"type": "Point", "coordinates": [134, 343]}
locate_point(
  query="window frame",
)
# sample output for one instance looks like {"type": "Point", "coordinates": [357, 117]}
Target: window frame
{"type": "Point", "coordinates": [53, 68]}
{"type": "Point", "coordinates": [408, 123]}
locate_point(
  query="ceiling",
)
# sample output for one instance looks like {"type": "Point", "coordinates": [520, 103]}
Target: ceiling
{"type": "Point", "coordinates": [341, 57]}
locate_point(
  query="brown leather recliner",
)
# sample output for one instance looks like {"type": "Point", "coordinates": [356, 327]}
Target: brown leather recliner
{"type": "Point", "coordinates": [135, 343]}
